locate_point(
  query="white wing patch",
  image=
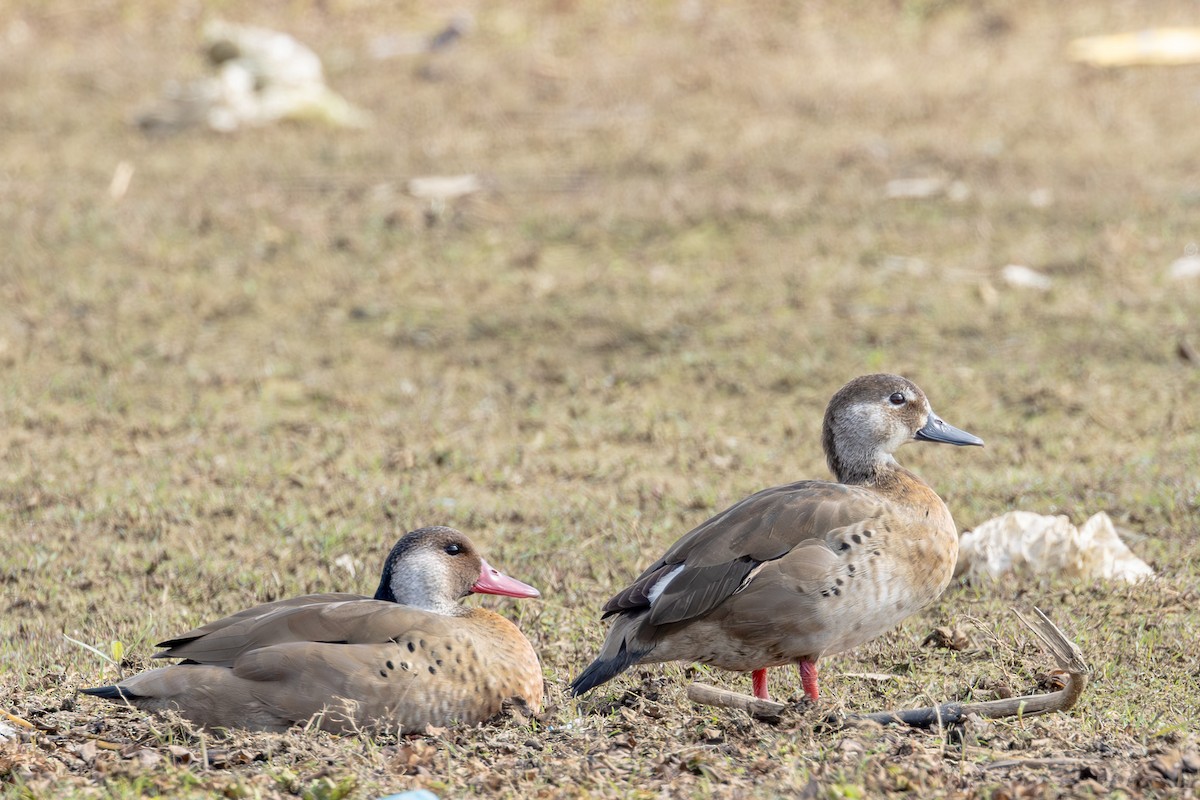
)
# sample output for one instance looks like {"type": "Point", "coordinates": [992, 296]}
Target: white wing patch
{"type": "Point", "coordinates": [661, 584]}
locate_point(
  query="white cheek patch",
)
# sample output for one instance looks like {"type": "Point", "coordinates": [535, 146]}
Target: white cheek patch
{"type": "Point", "coordinates": [661, 584]}
{"type": "Point", "coordinates": [861, 414]}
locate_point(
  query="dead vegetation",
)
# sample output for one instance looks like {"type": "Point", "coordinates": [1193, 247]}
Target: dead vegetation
{"type": "Point", "coordinates": [237, 367]}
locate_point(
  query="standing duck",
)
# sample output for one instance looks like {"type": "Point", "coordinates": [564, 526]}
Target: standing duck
{"type": "Point", "coordinates": [411, 656]}
{"type": "Point", "coordinates": [801, 571]}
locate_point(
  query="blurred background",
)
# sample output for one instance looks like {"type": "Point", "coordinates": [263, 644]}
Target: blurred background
{"type": "Point", "coordinates": [570, 276]}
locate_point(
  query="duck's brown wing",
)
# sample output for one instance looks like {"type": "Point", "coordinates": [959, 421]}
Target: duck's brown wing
{"type": "Point", "coordinates": [255, 612]}
{"type": "Point", "coordinates": [436, 673]}
{"type": "Point", "coordinates": [355, 685]}
{"type": "Point", "coordinates": [356, 620]}
{"type": "Point", "coordinates": [716, 559]}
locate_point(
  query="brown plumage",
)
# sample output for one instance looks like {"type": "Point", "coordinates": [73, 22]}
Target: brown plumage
{"type": "Point", "coordinates": [411, 656]}
{"type": "Point", "coordinates": [801, 571]}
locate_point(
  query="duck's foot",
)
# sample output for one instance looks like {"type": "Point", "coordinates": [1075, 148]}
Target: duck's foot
{"type": "Point", "coordinates": [759, 680]}
{"type": "Point", "coordinates": [808, 677]}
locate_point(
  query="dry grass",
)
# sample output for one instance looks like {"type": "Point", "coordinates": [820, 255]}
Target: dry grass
{"type": "Point", "coordinates": [266, 356]}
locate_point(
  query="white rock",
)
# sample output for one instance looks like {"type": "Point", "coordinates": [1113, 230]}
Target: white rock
{"type": "Point", "coordinates": [959, 192]}
{"type": "Point", "coordinates": [915, 188]}
{"type": "Point", "coordinates": [1028, 544]}
{"type": "Point", "coordinates": [1023, 277]}
{"type": "Point", "coordinates": [444, 187]}
{"type": "Point", "coordinates": [347, 563]}
{"type": "Point", "coordinates": [259, 77]}
{"type": "Point", "coordinates": [1041, 198]}
{"type": "Point", "coordinates": [1183, 268]}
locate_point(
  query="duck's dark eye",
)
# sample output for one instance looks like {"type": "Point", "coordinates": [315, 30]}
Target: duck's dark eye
{"type": "Point", "coordinates": [897, 399]}
{"type": "Point", "coordinates": [453, 549]}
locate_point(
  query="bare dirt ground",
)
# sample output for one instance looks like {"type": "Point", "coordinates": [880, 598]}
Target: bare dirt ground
{"type": "Point", "coordinates": [246, 375]}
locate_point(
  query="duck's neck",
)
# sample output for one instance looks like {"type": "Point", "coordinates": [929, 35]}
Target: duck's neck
{"type": "Point", "coordinates": [889, 480]}
{"type": "Point", "coordinates": [883, 473]}
{"type": "Point", "coordinates": [416, 589]}
{"type": "Point", "coordinates": [860, 472]}
{"type": "Point", "coordinates": [858, 466]}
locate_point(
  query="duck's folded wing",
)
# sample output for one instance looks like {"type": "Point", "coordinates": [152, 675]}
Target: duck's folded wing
{"type": "Point", "coordinates": [255, 612]}
{"type": "Point", "coordinates": [354, 621]}
{"type": "Point", "coordinates": [788, 593]}
{"type": "Point", "coordinates": [718, 558]}
{"type": "Point", "coordinates": [298, 680]}
{"type": "Point", "coordinates": [357, 685]}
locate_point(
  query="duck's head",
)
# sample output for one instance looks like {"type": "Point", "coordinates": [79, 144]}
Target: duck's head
{"type": "Point", "coordinates": [873, 416]}
{"type": "Point", "coordinates": [434, 568]}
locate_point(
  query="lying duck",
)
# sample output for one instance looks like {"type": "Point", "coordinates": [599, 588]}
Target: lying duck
{"type": "Point", "coordinates": [410, 657]}
{"type": "Point", "coordinates": [798, 572]}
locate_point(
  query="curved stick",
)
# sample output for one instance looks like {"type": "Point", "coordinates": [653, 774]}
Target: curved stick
{"type": "Point", "coordinates": [1065, 652]}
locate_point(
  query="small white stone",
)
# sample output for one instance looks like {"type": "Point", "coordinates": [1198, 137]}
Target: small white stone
{"type": "Point", "coordinates": [915, 188]}
{"type": "Point", "coordinates": [1023, 277]}
{"type": "Point", "coordinates": [1041, 198]}
{"type": "Point", "coordinates": [1184, 268]}
{"type": "Point", "coordinates": [444, 187]}
{"type": "Point", "coordinates": [347, 563]}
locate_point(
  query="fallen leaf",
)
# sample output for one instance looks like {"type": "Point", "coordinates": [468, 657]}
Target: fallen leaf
{"type": "Point", "coordinates": [1188, 352]}
{"type": "Point", "coordinates": [1168, 764]}
{"type": "Point", "coordinates": [411, 757]}
{"type": "Point", "coordinates": [1054, 680]}
{"type": "Point", "coordinates": [947, 639]}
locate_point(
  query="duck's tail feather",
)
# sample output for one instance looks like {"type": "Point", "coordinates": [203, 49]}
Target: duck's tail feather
{"type": "Point", "coordinates": [604, 669]}
{"type": "Point", "coordinates": [114, 693]}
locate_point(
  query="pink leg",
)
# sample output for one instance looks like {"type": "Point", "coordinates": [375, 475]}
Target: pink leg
{"type": "Point", "coordinates": [759, 678]}
{"type": "Point", "coordinates": [808, 677]}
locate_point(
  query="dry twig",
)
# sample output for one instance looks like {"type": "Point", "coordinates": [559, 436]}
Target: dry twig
{"type": "Point", "coordinates": [1065, 652]}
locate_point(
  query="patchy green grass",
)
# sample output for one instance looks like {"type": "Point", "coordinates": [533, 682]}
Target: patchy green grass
{"type": "Point", "coordinates": [266, 355]}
